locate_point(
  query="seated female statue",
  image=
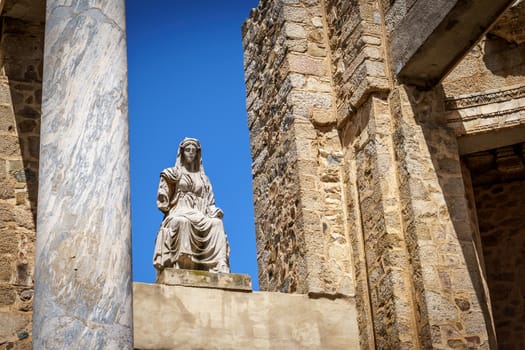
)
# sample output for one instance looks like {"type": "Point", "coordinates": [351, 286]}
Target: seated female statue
{"type": "Point", "coordinates": [191, 235]}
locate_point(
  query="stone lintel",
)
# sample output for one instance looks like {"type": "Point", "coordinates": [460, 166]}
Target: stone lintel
{"type": "Point", "coordinates": [484, 141]}
{"type": "Point", "coordinates": [205, 279]}
{"type": "Point", "coordinates": [436, 34]}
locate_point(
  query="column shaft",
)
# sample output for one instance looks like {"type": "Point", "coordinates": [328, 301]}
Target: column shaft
{"type": "Point", "coordinates": [83, 294]}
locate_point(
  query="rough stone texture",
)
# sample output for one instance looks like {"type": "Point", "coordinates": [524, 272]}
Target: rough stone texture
{"type": "Point", "coordinates": [302, 243]}
{"type": "Point", "coordinates": [357, 52]}
{"type": "Point", "coordinates": [485, 106]}
{"type": "Point", "coordinates": [384, 296]}
{"type": "Point", "coordinates": [205, 279]}
{"type": "Point", "coordinates": [405, 202]}
{"type": "Point", "coordinates": [21, 52]}
{"type": "Point", "coordinates": [174, 317]}
{"type": "Point", "coordinates": [438, 231]}
{"type": "Point", "coordinates": [510, 26]}
{"type": "Point", "coordinates": [405, 206]}
{"type": "Point", "coordinates": [83, 276]}
{"type": "Point", "coordinates": [498, 182]}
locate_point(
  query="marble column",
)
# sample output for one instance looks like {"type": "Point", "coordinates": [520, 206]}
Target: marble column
{"type": "Point", "coordinates": [83, 294]}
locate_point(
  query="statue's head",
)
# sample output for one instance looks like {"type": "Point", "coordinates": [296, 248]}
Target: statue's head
{"type": "Point", "coordinates": [189, 152]}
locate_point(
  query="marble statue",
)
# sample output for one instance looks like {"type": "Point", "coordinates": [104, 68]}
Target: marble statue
{"type": "Point", "coordinates": [191, 235]}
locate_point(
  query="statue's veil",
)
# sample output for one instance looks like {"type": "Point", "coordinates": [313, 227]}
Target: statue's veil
{"type": "Point", "coordinates": [198, 157]}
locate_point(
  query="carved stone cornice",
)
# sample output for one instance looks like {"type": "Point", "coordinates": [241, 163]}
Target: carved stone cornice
{"type": "Point", "coordinates": [473, 100]}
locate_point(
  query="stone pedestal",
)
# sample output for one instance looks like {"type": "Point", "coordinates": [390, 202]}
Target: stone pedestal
{"type": "Point", "coordinates": [204, 279]}
{"type": "Point", "coordinates": [83, 255]}
{"type": "Point", "coordinates": [186, 318]}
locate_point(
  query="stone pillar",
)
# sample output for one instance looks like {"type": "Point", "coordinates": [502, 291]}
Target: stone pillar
{"type": "Point", "coordinates": [302, 243]}
{"type": "Point", "coordinates": [83, 294]}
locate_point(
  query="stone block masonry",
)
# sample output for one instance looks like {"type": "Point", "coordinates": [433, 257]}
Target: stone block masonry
{"type": "Point", "coordinates": [302, 243]}
{"type": "Point", "coordinates": [358, 183]}
{"type": "Point", "coordinates": [21, 49]}
{"type": "Point", "coordinates": [498, 184]}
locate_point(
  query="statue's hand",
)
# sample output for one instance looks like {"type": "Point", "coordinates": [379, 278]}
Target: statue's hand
{"type": "Point", "coordinates": [216, 213]}
{"type": "Point", "coordinates": [163, 202]}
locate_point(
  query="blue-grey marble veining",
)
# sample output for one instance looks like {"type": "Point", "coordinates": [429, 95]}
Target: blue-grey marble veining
{"type": "Point", "coordinates": [83, 270]}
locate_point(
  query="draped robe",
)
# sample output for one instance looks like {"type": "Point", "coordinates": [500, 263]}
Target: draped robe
{"type": "Point", "coordinates": [191, 234]}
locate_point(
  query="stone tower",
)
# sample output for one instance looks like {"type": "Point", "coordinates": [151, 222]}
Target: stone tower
{"type": "Point", "coordinates": [387, 143]}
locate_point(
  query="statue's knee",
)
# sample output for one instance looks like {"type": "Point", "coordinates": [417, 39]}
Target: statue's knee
{"type": "Point", "coordinates": [216, 222]}
{"type": "Point", "coordinates": [178, 221]}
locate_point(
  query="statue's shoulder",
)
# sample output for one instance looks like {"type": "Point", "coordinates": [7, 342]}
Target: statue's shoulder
{"type": "Point", "coordinates": [171, 174]}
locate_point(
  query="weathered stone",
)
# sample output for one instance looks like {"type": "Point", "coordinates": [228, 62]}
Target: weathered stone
{"type": "Point", "coordinates": [10, 324]}
{"type": "Point", "coordinates": [21, 198]}
{"type": "Point", "coordinates": [400, 168]}
{"type": "Point", "coordinates": [23, 275]}
{"type": "Point", "coordinates": [307, 65]}
{"type": "Point", "coordinates": [7, 122]}
{"type": "Point", "coordinates": [316, 51]}
{"type": "Point", "coordinates": [26, 295]}
{"type": "Point", "coordinates": [259, 320]}
{"type": "Point", "coordinates": [7, 191]}
{"type": "Point", "coordinates": [204, 279]}
{"type": "Point", "coordinates": [509, 26]}
{"type": "Point", "coordinates": [323, 117]}
{"type": "Point", "coordinates": [8, 239]}
{"type": "Point", "coordinates": [294, 31]}
{"type": "Point", "coordinates": [9, 145]}
{"type": "Point", "coordinates": [34, 146]}
{"type": "Point", "coordinates": [21, 50]}
{"type": "Point", "coordinates": [28, 112]}
{"type": "Point", "coordinates": [22, 335]}
{"type": "Point", "coordinates": [295, 14]}
{"type": "Point", "coordinates": [5, 269]}
{"type": "Point", "coordinates": [7, 295]}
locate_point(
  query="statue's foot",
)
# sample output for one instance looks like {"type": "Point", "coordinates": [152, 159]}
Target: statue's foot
{"type": "Point", "coordinates": [221, 268]}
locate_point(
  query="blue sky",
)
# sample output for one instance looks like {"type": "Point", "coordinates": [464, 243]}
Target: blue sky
{"type": "Point", "coordinates": [186, 79]}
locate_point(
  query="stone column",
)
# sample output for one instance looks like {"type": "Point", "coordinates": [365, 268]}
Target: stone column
{"type": "Point", "coordinates": [83, 294]}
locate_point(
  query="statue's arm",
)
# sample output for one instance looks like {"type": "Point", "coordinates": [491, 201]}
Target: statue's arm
{"type": "Point", "coordinates": [163, 195]}
{"type": "Point", "coordinates": [213, 210]}
{"type": "Point", "coordinates": [168, 182]}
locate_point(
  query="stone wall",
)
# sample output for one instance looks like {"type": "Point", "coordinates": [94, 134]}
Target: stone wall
{"type": "Point", "coordinates": [414, 244]}
{"type": "Point", "coordinates": [302, 242]}
{"type": "Point", "coordinates": [175, 317]}
{"type": "Point", "coordinates": [383, 289]}
{"type": "Point", "coordinates": [21, 50]}
{"type": "Point", "coordinates": [501, 209]}
{"type": "Point", "coordinates": [498, 182]}
{"type": "Point", "coordinates": [451, 303]}
{"type": "Point", "coordinates": [358, 58]}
